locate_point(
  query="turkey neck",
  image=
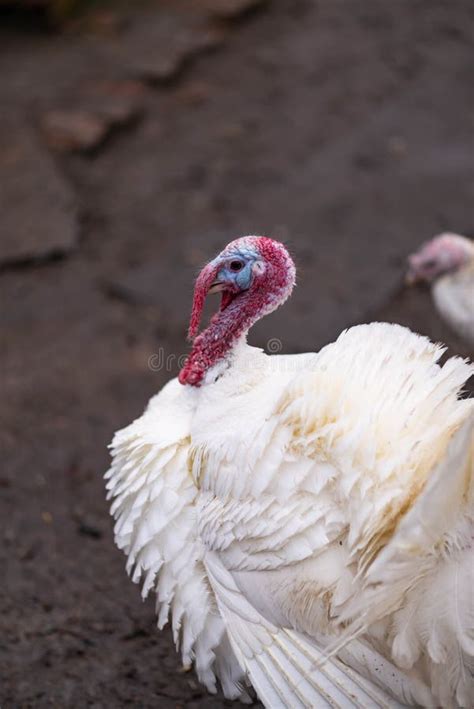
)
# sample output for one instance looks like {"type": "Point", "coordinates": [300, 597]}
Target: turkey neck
{"type": "Point", "coordinates": [226, 328]}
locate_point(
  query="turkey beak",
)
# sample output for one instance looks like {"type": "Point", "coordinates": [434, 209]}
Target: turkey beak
{"type": "Point", "coordinates": [216, 287]}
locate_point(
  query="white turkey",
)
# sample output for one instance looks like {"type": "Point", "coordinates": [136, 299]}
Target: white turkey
{"type": "Point", "coordinates": [305, 520]}
{"type": "Point", "coordinates": [447, 261]}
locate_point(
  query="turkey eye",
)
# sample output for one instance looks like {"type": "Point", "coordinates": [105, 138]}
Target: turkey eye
{"type": "Point", "coordinates": [236, 265]}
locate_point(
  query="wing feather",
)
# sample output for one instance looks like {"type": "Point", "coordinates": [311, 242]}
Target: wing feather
{"type": "Point", "coordinates": [424, 578]}
{"type": "Point", "coordinates": [284, 666]}
{"type": "Point", "coordinates": [153, 502]}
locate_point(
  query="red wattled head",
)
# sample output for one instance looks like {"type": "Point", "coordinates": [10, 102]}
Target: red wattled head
{"type": "Point", "coordinates": [255, 275]}
{"type": "Point", "coordinates": [201, 289]}
{"type": "Point", "coordinates": [251, 264]}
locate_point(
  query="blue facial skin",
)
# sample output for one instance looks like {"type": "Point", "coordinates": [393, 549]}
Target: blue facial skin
{"type": "Point", "coordinates": [240, 279]}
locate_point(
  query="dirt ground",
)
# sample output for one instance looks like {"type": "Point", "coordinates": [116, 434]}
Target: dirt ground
{"type": "Point", "coordinates": [339, 126]}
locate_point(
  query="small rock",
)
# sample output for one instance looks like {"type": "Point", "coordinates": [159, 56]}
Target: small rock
{"type": "Point", "coordinates": [70, 130]}
{"type": "Point", "coordinates": [47, 517]}
{"type": "Point", "coordinates": [39, 213]}
{"type": "Point", "coordinates": [93, 112]}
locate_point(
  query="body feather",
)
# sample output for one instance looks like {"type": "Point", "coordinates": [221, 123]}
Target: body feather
{"type": "Point", "coordinates": [294, 506]}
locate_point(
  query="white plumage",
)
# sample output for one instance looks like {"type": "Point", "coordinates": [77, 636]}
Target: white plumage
{"type": "Point", "coordinates": [297, 507]}
{"type": "Point", "coordinates": [453, 296]}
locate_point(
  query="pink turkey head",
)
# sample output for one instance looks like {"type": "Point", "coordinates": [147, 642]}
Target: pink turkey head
{"type": "Point", "coordinates": [255, 275]}
{"type": "Point", "coordinates": [445, 253]}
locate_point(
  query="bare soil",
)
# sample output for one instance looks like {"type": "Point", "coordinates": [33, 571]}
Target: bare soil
{"type": "Point", "coordinates": [339, 126]}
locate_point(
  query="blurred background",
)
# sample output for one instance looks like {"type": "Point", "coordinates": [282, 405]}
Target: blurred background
{"type": "Point", "coordinates": [136, 139]}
